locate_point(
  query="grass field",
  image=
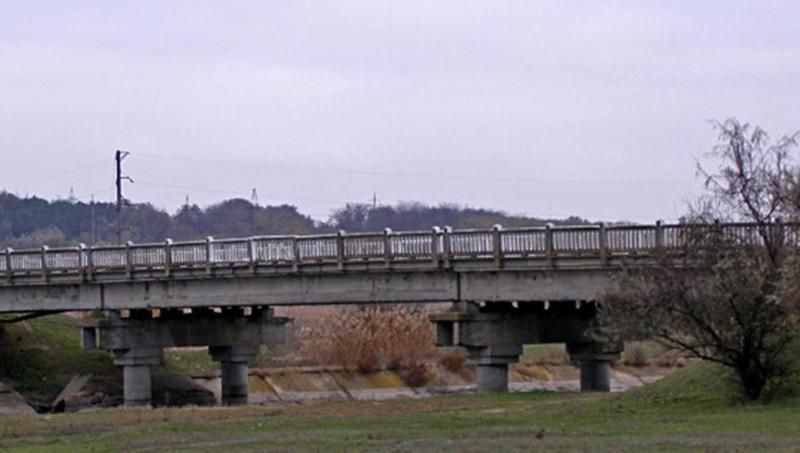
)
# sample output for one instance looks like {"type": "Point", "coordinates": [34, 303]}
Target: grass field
{"type": "Point", "coordinates": [689, 410]}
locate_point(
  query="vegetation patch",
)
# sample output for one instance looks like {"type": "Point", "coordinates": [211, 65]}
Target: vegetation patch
{"type": "Point", "coordinates": [38, 357]}
{"type": "Point", "coordinates": [680, 412]}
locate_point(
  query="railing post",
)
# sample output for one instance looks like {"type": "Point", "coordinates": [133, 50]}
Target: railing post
{"type": "Point", "coordinates": [295, 254]}
{"type": "Point", "coordinates": [602, 242]}
{"type": "Point", "coordinates": [549, 251]}
{"type": "Point", "coordinates": [251, 254]}
{"type": "Point", "coordinates": [435, 252]}
{"type": "Point", "coordinates": [446, 246]}
{"type": "Point", "coordinates": [497, 244]}
{"type": "Point", "coordinates": [167, 257]}
{"type": "Point", "coordinates": [659, 235]}
{"type": "Point", "coordinates": [89, 263]}
{"type": "Point", "coordinates": [209, 254]}
{"type": "Point", "coordinates": [44, 262]}
{"type": "Point", "coordinates": [129, 259]}
{"type": "Point", "coordinates": [387, 247]}
{"type": "Point", "coordinates": [81, 261]}
{"type": "Point", "coordinates": [340, 249]}
{"type": "Point", "coordinates": [9, 273]}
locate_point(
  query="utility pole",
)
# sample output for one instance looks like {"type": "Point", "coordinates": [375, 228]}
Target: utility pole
{"type": "Point", "coordinates": [93, 222]}
{"type": "Point", "coordinates": [253, 207]}
{"type": "Point", "coordinates": [119, 156]}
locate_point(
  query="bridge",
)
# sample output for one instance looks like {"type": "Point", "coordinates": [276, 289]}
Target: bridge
{"type": "Point", "coordinates": [508, 287]}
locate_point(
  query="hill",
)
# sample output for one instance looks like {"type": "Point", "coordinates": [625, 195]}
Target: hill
{"type": "Point", "coordinates": [32, 222]}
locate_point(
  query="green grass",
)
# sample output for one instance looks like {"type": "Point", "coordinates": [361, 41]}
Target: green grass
{"type": "Point", "coordinates": [197, 361]}
{"type": "Point", "coordinates": [39, 357]}
{"type": "Point", "coordinates": [693, 409]}
{"type": "Point", "coordinates": [686, 411]}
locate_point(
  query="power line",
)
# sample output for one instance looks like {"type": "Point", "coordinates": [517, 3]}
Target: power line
{"type": "Point", "coordinates": [63, 173]}
{"type": "Point", "coordinates": [232, 192]}
{"type": "Point", "coordinates": [416, 175]}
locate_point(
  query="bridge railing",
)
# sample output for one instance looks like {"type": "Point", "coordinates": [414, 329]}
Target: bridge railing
{"type": "Point", "coordinates": [438, 245]}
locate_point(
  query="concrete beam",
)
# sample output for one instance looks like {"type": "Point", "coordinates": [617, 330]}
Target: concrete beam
{"type": "Point", "coordinates": [175, 329]}
{"type": "Point", "coordinates": [531, 286]}
{"type": "Point", "coordinates": [392, 286]}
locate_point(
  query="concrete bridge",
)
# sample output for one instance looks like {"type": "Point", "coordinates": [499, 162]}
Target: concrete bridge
{"type": "Point", "coordinates": [508, 288]}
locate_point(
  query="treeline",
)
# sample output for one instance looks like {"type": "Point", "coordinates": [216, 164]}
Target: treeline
{"type": "Point", "coordinates": [32, 222]}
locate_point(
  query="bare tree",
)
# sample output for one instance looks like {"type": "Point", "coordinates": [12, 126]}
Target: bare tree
{"type": "Point", "coordinates": [728, 294]}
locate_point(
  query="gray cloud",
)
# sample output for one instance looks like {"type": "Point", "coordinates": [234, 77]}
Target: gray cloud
{"type": "Point", "coordinates": [546, 108]}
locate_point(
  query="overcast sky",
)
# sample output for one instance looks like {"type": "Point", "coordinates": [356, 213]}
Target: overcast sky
{"type": "Point", "coordinates": [589, 108]}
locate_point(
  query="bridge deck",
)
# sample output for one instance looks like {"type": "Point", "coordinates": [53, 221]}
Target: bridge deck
{"type": "Point", "coordinates": [437, 265]}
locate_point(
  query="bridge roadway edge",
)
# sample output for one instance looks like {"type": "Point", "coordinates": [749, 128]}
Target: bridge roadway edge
{"type": "Point", "coordinates": [374, 287]}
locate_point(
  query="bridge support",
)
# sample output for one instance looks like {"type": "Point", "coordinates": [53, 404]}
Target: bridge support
{"type": "Point", "coordinates": [494, 333]}
{"type": "Point", "coordinates": [492, 378]}
{"type": "Point", "coordinates": [234, 361]}
{"type": "Point", "coordinates": [233, 337]}
{"type": "Point", "coordinates": [594, 360]}
{"type": "Point", "coordinates": [136, 366]}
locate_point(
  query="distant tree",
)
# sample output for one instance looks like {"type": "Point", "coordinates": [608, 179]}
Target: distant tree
{"type": "Point", "coordinates": [409, 216]}
{"type": "Point", "coordinates": [721, 299]}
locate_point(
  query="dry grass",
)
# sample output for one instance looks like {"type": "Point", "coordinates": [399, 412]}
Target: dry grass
{"type": "Point", "coordinates": [365, 339]}
{"type": "Point", "coordinates": [453, 361]}
{"type": "Point", "coordinates": [635, 356]}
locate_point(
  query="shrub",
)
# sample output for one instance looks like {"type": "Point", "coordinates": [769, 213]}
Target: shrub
{"type": "Point", "coordinates": [635, 356]}
{"type": "Point", "coordinates": [416, 374]}
{"type": "Point", "coordinates": [453, 361]}
{"type": "Point", "coordinates": [670, 359]}
{"type": "Point", "coordinates": [366, 339]}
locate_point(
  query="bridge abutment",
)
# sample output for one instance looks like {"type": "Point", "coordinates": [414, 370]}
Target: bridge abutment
{"type": "Point", "coordinates": [232, 336]}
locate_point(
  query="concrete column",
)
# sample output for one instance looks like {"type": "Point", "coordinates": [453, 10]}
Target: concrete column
{"type": "Point", "coordinates": [595, 375]}
{"type": "Point", "coordinates": [594, 360]}
{"type": "Point", "coordinates": [137, 384]}
{"type": "Point", "coordinates": [492, 377]}
{"type": "Point", "coordinates": [234, 383]}
{"type": "Point", "coordinates": [136, 364]}
{"type": "Point", "coordinates": [234, 362]}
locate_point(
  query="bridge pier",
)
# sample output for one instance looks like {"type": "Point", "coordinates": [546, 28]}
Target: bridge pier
{"type": "Point", "coordinates": [234, 362]}
{"type": "Point", "coordinates": [492, 378]}
{"type": "Point", "coordinates": [494, 333]}
{"type": "Point", "coordinates": [137, 363]}
{"type": "Point", "coordinates": [232, 336]}
{"type": "Point", "coordinates": [594, 360]}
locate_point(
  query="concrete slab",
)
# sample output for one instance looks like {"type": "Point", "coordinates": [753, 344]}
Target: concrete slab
{"type": "Point", "coordinates": [12, 403]}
